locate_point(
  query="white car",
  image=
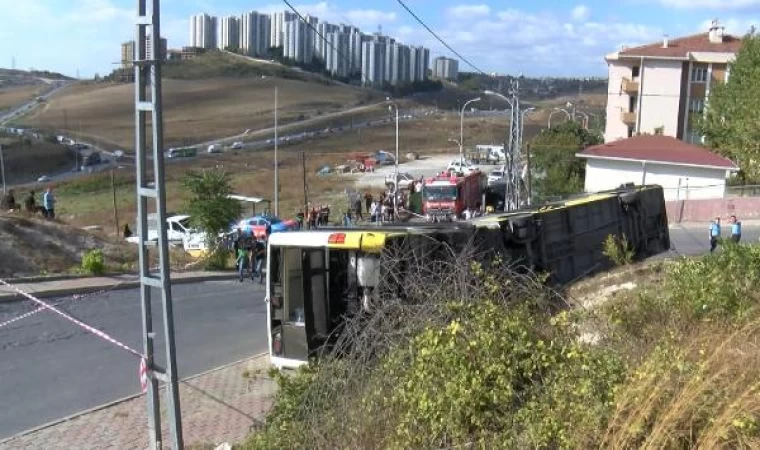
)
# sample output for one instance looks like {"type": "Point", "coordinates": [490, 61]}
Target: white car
{"type": "Point", "coordinates": [462, 166]}
{"type": "Point", "coordinates": [43, 179]}
{"type": "Point", "coordinates": [214, 148]}
{"type": "Point", "coordinates": [404, 180]}
{"type": "Point", "coordinates": [236, 145]}
{"type": "Point", "coordinates": [496, 178]}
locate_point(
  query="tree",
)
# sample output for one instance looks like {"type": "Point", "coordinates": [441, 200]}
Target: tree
{"type": "Point", "coordinates": [731, 123]}
{"type": "Point", "coordinates": [209, 206]}
{"type": "Point", "coordinates": [558, 171]}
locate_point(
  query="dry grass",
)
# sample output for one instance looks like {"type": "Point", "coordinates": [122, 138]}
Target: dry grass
{"type": "Point", "coordinates": [18, 95]}
{"type": "Point", "coordinates": [88, 200]}
{"type": "Point", "coordinates": [708, 397]}
{"type": "Point", "coordinates": [194, 110]}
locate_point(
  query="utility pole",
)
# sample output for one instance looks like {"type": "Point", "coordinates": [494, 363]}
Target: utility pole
{"type": "Point", "coordinates": [115, 210]}
{"type": "Point", "coordinates": [529, 179]}
{"type": "Point", "coordinates": [2, 166]}
{"type": "Point", "coordinates": [276, 162]}
{"type": "Point", "coordinates": [148, 101]}
{"type": "Point", "coordinates": [305, 188]}
{"type": "Point", "coordinates": [512, 197]}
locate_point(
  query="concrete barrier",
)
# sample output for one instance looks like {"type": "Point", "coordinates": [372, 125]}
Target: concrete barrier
{"type": "Point", "coordinates": [744, 208]}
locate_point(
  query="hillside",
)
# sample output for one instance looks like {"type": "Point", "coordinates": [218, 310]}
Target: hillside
{"type": "Point", "coordinates": [12, 77]}
{"type": "Point", "coordinates": [27, 159]}
{"type": "Point", "coordinates": [213, 96]}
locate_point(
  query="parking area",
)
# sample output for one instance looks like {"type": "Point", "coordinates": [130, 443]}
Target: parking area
{"type": "Point", "coordinates": [426, 166]}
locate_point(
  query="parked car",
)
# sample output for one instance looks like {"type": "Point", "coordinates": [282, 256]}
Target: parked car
{"type": "Point", "coordinates": [404, 180]}
{"type": "Point", "coordinates": [257, 225]}
{"type": "Point", "coordinates": [461, 166]}
{"type": "Point", "coordinates": [213, 148]}
{"type": "Point", "coordinates": [43, 179]}
{"type": "Point", "coordinates": [236, 145]}
{"type": "Point", "coordinates": [496, 178]}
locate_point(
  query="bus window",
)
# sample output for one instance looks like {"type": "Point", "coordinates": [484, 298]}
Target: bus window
{"type": "Point", "coordinates": [317, 308]}
{"type": "Point", "coordinates": [293, 289]}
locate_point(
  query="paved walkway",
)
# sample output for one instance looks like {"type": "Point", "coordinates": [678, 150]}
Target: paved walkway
{"type": "Point", "coordinates": [219, 406]}
{"type": "Point", "coordinates": [57, 287]}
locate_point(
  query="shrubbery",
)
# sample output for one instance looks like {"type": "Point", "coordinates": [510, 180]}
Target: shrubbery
{"type": "Point", "coordinates": [676, 366]}
{"type": "Point", "coordinates": [93, 262]}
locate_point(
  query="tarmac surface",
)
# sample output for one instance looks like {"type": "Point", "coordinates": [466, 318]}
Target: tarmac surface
{"type": "Point", "coordinates": [51, 368]}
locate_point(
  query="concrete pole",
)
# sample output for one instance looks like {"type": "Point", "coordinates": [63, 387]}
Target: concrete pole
{"type": "Point", "coordinates": [2, 167]}
{"type": "Point", "coordinates": [276, 162]}
{"type": "Point", "coordinates": [461, 127]}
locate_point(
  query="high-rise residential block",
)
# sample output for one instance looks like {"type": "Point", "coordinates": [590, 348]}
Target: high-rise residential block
{"type": "Point", "coordinates": [203, 31]}
{"type": "Point", "coordinates": [277, 28]}
{"type": "Point", "coordinates": [128, 52]}
{"type": "Point", "coordinates": [229, 33]}
{"type": "Point", "coordinates": [445, 68]}
{"type": "Point", "coordinates": [337, 52]}
{"type": "Point", "coordinates": [255, 33]}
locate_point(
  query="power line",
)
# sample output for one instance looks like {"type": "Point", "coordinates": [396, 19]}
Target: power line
{"type": "Point", "coordinates": [439, 38]}
{"type": "Point", "coordinates": [341, 55]}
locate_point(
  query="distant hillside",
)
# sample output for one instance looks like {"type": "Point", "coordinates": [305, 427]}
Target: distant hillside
{"type": "Point", "coordinates": [11, 77]}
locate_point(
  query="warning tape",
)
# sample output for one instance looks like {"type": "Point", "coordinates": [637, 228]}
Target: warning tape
{"type": "Point", "coordinates": [75, 297]}
{"type": "Point", "coordinates": [101, 334]}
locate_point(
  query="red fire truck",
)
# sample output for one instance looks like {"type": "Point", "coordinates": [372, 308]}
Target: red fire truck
{"type": "Point", "coordinates": [447, 194]}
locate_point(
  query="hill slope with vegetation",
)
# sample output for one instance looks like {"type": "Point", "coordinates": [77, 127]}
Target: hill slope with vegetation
{"type": "Point", "coordinates": [495, 360]}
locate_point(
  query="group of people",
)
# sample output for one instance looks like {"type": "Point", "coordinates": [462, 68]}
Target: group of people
{"type": "Point", "coordinates": [317, 216]}
{"type": "Point", "coordinates": [250, 253]}
{"type": "Point", "coordinates": [47, 209]}
{"type": "Point", "coordinates": [716, 232]}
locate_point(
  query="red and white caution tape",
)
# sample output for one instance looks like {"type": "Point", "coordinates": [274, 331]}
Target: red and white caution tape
{"type": "Point", "coordinates": [142, 374]}
{"type": "Point", "coordinates": [77, 322]}
{"type": "Point", "coordinates": [23, 316]}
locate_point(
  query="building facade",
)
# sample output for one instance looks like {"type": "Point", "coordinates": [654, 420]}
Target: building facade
{"type": "Point", "coordinates": [255, 34]}
{"type": "Point", "coordinates": [660, 88]}
{"type": "Point", "coordinates": [277, 30]}
{"type": "Point", "coordinates": [445, 68]}
{"type": "Point", "coordinates": [336, 61]}
{"type": "Point", "coordinates": [203, 31]}
{"type": "Point", "coordinates": [229, 33]}
{"type": "Point", "coordinates": [128, 52]}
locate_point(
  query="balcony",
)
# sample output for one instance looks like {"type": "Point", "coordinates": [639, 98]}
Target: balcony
{"type": "Point", "coordinates": [630, 87]}
{"type": "Point", "coordinates": [628, 118]}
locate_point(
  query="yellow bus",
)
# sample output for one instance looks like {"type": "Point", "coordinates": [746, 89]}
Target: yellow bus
{"type": "Point", "coordinates": [315, 279]}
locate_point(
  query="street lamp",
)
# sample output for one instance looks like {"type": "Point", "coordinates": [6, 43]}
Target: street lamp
{"type": "Point", "coordinates": [461, 127]}
{"type": "Point", "coordinates": [276, 163]}
{"type": "Point", "coordinates": [554, 111]}
{"type": "Point", "coordinates": [585, 119]}
{"type": "Point", "coordinates": [392, 106]}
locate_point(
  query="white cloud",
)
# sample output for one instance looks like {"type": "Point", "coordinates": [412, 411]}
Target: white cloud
{"type": "Point", "coordinates": [539, 43]}
{"type": "Point", "coordinates": [468, 11]}
{"type": "Point", "coordinates": [360, 17]}
{"type": "Point", "coordinates": [711, 4]}
{"type": "Point", "coordinates": [580, 12]}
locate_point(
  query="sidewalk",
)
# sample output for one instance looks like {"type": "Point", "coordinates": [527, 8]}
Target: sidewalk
{"type": "Point", "coordinates": [83, 285]}
{"type": "Point", "coordinates": [219, 406]}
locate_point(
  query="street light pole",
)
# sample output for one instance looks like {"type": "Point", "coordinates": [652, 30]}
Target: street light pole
{"type": "Point", "coordinates": [276, 162]}
{"type": "Point", "coordinates": [461, 127]}
{"type": "Point", "coordinates": [556, 110]}
{"type": "Point", "coordinates": [395, 177]}
{"type": "Point", "coordinates": [2, 166]}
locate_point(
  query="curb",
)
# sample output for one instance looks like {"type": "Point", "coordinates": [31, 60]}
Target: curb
{"type": "Point", "coordinates": [117, 402]}
{"type": "Point", "coordinates": [114, 286]}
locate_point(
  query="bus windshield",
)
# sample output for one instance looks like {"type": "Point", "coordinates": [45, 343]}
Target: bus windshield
{"type": "Point", "coordinates": [440, 193]}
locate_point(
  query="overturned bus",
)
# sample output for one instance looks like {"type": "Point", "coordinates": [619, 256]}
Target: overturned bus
{"type": "Point", "coordinates": [315, 279]}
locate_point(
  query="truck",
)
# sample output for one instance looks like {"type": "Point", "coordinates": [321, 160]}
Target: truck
{"type": "Point", "coordinates": [448, 195]}
{"type": "Point", "coordinates": [486, 154]}
{"type": "Point", "coordinates": [187, 152]}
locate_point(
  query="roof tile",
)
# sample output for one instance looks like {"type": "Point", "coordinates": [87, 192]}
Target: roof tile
{"type": "Point", "coordinates": [664, 149]}
{"type": "Point", "coordinates": [681, 47]}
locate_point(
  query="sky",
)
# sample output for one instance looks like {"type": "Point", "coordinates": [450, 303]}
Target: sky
{"type": "Point", "coordinates": [530, 37]}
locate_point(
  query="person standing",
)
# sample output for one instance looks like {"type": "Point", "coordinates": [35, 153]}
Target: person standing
{"type": "Point", "coordinates": [368, 202]}
{"type": "Point", "coordinates": [260, 251]}
{"type": "Point", "coordinates": [358, 208]}
{"type": "Point", "coordinates": [714, 234]}
{"type": "Point", "coordinates": [373, 212]}
{"type": "Point", "coordinates": [241, 255]}
{"type": "Point", "coordinates": [736, 230]}
{"type": "Point", "coordinates": [48, 202]}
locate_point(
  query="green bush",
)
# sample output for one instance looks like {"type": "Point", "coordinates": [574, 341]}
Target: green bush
{"type": "Point", "coordinates": [93, 262]}
{"type": "Point", "coordinates": [618, 250]}
{"type": "Point", "coordinates": [217, 260]}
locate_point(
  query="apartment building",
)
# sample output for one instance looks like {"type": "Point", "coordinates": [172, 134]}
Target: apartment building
{"type": "Point", "coordinates": [322, 47]}
{"type": "Point", "coordinates": [128, 53]}
{"type": "Point", "coordinates": [445, 68]}
{"type": "Point", "coordinates": [277, 30]}
{"type": "Point", "coordinates": [255, 34]}
{"type": "Point", "coordinates": [336, 60]}
{"type": "Point", "coordinates": [203, 31]}
{"type": "Point", "coordinates": [229, 32]}
{"type": "Point", "coordinates": [419, 63]}
{"type": "Point", "coordinates": [660, 88]}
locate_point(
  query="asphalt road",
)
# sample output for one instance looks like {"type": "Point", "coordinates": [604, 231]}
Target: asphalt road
{"type": "Point", "coordinates": [691, 239]}
{"type": "Point", "coordinates": [49, 368]}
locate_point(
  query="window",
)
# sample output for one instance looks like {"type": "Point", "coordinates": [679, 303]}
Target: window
{"type": "Point", "coordinates": [631, 104]}
{"type": "Point", "coordinates": [699, 74]}
{"type": "Point", "coordinates": [630, 131]}
{"type": "Point", "coordinates": [696, 106]}
{"type": "Point", "coordinates": [635, 70]}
